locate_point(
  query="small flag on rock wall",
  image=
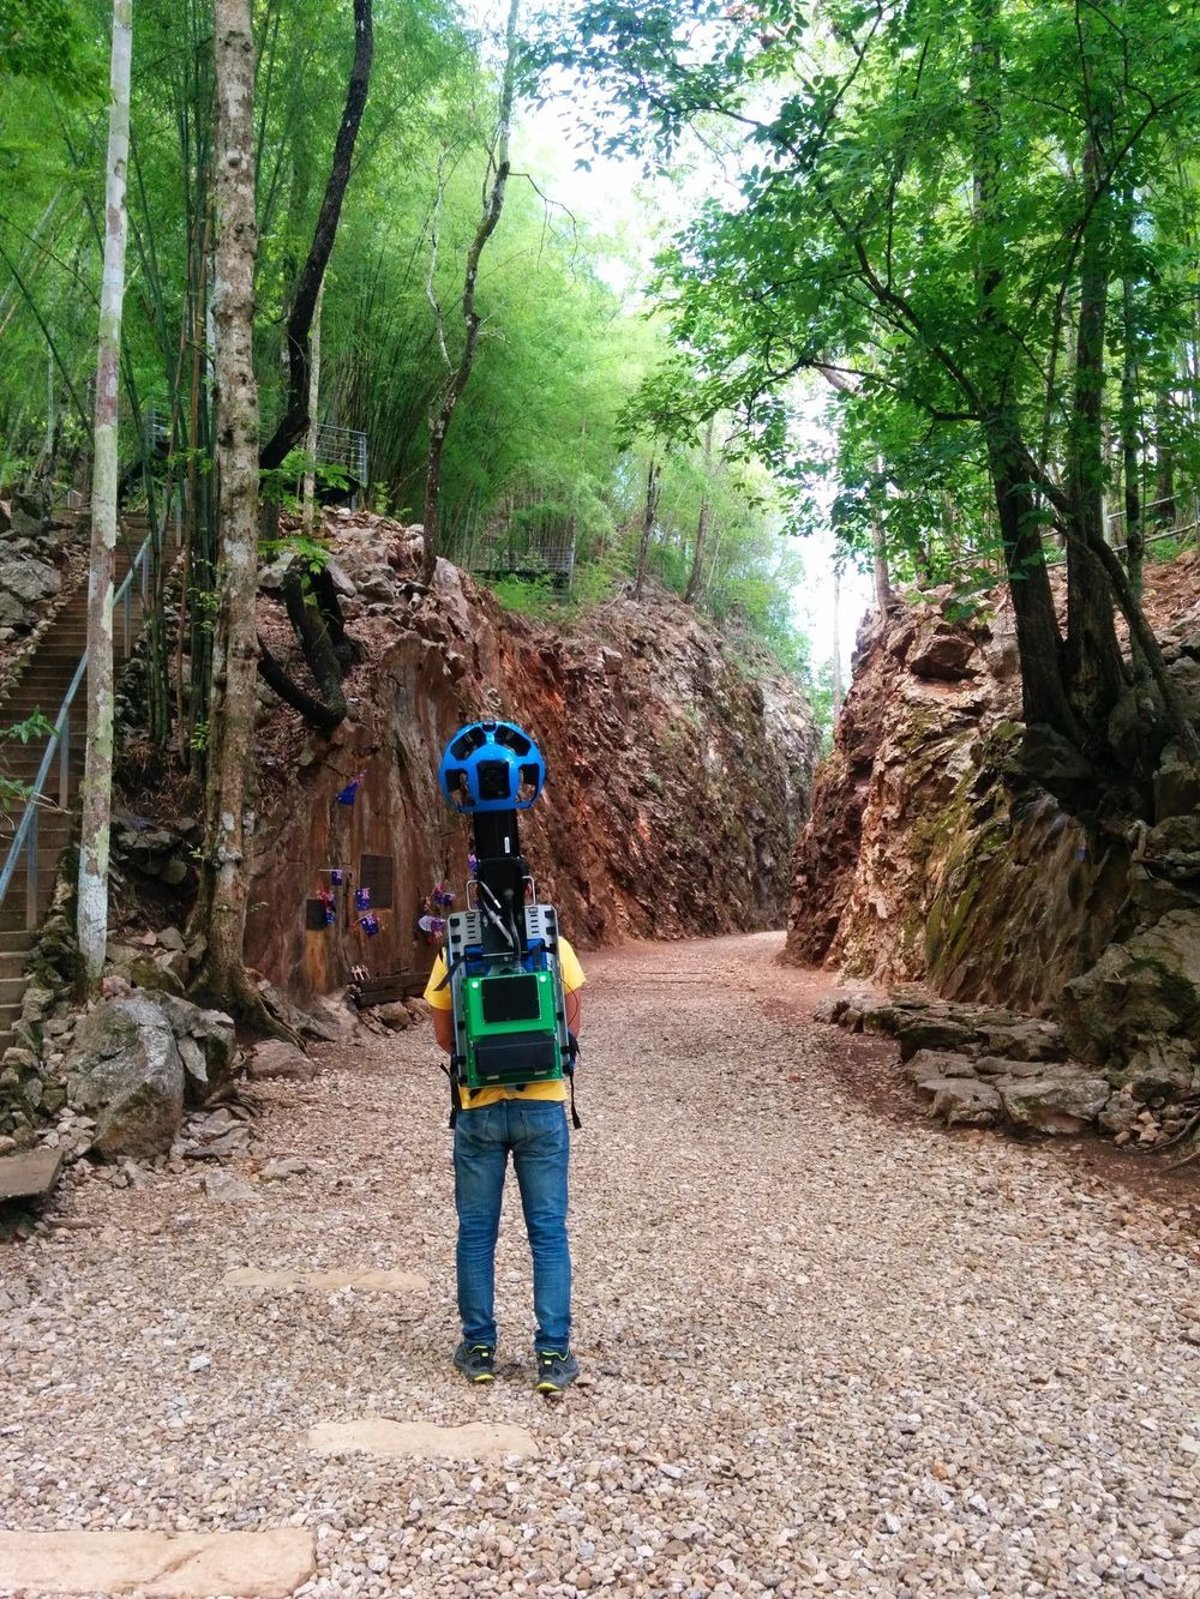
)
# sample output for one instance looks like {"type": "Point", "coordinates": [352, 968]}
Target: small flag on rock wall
{"type": "Point", "coordinates": [346, 796]}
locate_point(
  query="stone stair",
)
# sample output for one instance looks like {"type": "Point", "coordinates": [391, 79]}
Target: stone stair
{"type": "Point", "coordinates": [42, 686]}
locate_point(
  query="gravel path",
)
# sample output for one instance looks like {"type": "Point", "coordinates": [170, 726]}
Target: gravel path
{"type": "Point", "coordinates": [825, 1353]}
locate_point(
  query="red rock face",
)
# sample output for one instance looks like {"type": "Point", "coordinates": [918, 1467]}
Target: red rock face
{"type": "Point", "coordinates": [923, 691]}
{"type": "Point", "coordinates": [679, 771]}
{"type": "Point", "coordinates": [922, 860]}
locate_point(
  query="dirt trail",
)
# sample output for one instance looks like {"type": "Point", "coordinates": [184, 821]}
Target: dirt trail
{"type": "Point", "coordinates": [826, 1351]}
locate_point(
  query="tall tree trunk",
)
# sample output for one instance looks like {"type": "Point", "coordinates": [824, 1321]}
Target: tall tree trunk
{"type": "Point", "coordinates": [1135, 543]}
{"type": "Point", "coordinates": [228, 812]}
{"type": "Point", "coordinates": [1164, 462]}
{"type": "Point", "coordinates": [838, 685]}
{"type": "Point", "coordinates": [694, 576]}
{"type": "Point", "coordinates": [1044, 698]}
{"type": "Point", "coordinates": [879, 554]}
{"type": "Point", "coordinates": [1039, 644]}
{"type": "Point", "coordinates": [442, 410]}
{"type": "Point", "coordinates": [92, 905]}
{"type": "Point", "coordinates": [314, 396]}
{"type": "Point", "coordinates": [294, 420]}
{"type": "Point", "coordinates": [1093, 656]}
{"type": "Point", "coordinates": [49, 447]}
{"type": "Point", "coordinates": [653, 489]}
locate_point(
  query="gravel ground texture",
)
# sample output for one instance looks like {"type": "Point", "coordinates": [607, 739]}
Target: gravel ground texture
{"type": "Point", "coordinates": [824, 1352]}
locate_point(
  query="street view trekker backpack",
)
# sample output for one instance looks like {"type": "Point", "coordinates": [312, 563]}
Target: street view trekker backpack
{"type": "Point", "coordinates": [502, 952]}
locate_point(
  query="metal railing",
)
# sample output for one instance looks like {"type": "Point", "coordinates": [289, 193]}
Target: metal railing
{"type": "Point", "coordinates": [989, 568]}
{"type": "Point", "coordinates": [25, 839]}
{"type": "Point", "coordinates": [498, 556]}
{"type": "Point", "coordinates": [344, 447]}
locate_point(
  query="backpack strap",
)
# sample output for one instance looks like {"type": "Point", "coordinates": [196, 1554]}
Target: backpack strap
{"type": "Point", "coordinates": [572, 1056]}
{"type": "Point", "coordinates": [455, 1096]}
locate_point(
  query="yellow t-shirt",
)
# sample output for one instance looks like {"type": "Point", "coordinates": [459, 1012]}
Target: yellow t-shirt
{"type": "Point", "coordinates": [439, 998]}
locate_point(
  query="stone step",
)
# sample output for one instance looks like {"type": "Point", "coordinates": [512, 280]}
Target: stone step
{"type": "Point", "coordinates": [191, 1565]}
{"type": "Point", "coordinates": [42, 687]}
{"type": "Point", "coordinates": [16, 942]}
{"type": "Point", "coordinates": [29, 1173]}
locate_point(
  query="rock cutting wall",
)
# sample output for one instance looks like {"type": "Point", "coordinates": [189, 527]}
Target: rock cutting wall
{"type": "Point", "coordinates": [679, 769]}
{"type": "Point", "coordinates": [920, 862]}
{"type": "Point", "coordinates": [928, 858]}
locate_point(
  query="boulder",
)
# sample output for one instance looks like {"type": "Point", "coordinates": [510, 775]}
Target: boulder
{"type": "Point", "coordinates": [1065, 1102]}
{"type": "Point", "coordinates": [154, 975]}
{"type": "Point", "coordinates": [276, 1058]}
{"type": "Point", "coordinates": [210, 1034]}
{"type": "Point", "coordinates": [342, 582]}
{"type": "Point", "coordinates": [26, 526]}
{"type": "Point", "coordinates": [943, 653]}
{"type": "Point", "coordinates": [928, 1030]}
{"type": "Point", "coordinates": [831, 1008]}
{"type": "Point", "coordinates": [124, 1068]}
{"type": "Point", "coordinates": [992, 1066]}
{"type": "Point", "coordinates": [1176, 785]}
{"type": "Point", "coordinates": [1024, 1038]}
{"type": "Point", "coordinates": [1145, 988]}
{"type": "Point", "coordinates": [197, 1086]}
{"type": "Point", "coordinates": [301, 1022]}
{"type": "Point", "coordinates": [1165, 1069]}
{"type": "Point", "coordinates": [1120, 1115]}
{"type": "Point", "coordinates": [933, 1065]}
{"type": "Point", "coordinates": [965, 1102]}
{"type": "Point", "coordinates": [31, 581]}
{"type": "Point", "coordinates": [394, 1016]}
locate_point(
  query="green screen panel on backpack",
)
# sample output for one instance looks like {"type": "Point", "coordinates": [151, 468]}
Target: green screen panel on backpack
{"type": "Point", "coordinates": [512, 1028]}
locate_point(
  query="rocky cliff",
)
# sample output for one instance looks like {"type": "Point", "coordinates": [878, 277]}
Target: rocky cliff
{"type": "Point", "coordinates": [679, 770]}
{"type": "Point", "coordinates": [929, 857]}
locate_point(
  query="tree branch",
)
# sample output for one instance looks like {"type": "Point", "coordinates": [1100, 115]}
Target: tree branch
{"type": "Point", "coordinates": [294, 422]}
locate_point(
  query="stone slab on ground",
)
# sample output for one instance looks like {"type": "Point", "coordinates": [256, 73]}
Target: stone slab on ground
{"type": "Point", "coordinates": [29, 1174]}
{"type": "Point", "coordinates": [324, 1282]}
{"type": "Point", "coordinates": [249, 1565]}
{"type": "Point", "coordinates": [378, 1435]}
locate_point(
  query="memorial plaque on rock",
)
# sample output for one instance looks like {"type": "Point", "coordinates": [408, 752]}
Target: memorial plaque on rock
{"type": "Point", "coordinates": [376, 874]}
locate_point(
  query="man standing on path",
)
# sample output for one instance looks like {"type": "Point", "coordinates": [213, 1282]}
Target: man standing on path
{"type": "Point", "coordinates": [526, 1119]}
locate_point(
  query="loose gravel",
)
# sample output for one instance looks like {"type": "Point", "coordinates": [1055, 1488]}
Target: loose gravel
{"type": "Point", "coordinates": [824, 1353]}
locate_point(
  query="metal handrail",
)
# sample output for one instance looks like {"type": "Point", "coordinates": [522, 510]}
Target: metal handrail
{"type": "Point", "coordinates": [1150, 538]}
{"type": "Point", "coordinates": [26, 836]}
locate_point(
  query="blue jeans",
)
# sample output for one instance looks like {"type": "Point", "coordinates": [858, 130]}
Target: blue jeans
{"type": "Point", "coordinates": [536, 1133]}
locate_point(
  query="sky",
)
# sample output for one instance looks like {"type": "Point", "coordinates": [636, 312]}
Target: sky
{"type": "Point", "coordinates": [616, 199]}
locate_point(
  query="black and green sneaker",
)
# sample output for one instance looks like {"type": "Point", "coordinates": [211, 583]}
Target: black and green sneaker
{"type": "Point", "coordinates": [477, 1362]}
{"type": "Point", "coordinates": [556, 1370]}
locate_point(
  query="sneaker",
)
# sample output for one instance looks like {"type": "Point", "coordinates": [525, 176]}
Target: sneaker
{"type": "Point", "coordinates": [556, 1370]}
{"type": "Point", "coordinates": [477, 1362]}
